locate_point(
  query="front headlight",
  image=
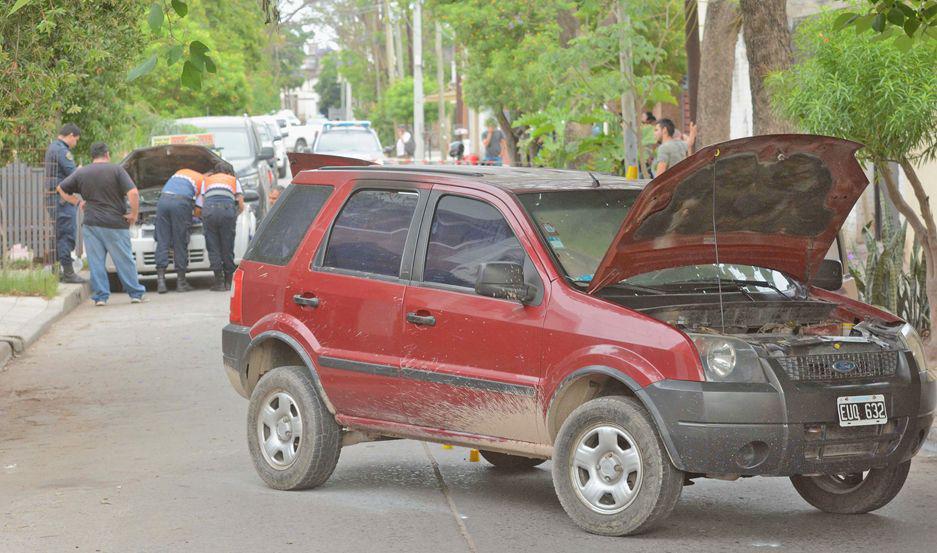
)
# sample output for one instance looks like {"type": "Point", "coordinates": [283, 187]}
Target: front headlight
{"type": "Point", "coordinates": [728, 359]}
{"type": "Point", "coordinates": [250, 180]}
{"type": "Point", "coordinates": [913, 342]}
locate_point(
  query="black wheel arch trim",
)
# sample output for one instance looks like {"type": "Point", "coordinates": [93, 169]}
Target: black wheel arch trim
{"type": "Point", "coordinates": [637, 390]}
{"type": "Point", "coordinates": [298, 349]}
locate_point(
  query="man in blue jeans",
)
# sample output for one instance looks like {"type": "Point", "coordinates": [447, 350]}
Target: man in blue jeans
{"type": "Point", "coordinates": [103, 187]}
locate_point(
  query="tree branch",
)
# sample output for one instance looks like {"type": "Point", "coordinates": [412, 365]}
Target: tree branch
{"type": "Point", "coordinates": [902, 206]}
{"type": "Point", "coordinates": [922, 199]}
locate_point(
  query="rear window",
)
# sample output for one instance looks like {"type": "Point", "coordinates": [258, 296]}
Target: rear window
{"type": "Point", "coordinates": [348, 141]}
{"type": "Point", "coordinates": [286, 224]}
{"type": "Point", "coordinates": [370, 233]}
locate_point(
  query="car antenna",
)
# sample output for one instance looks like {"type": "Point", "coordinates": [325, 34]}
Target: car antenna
{"type": "Point", "coordinates": [722, 312]}
{"type": "Point", "coordinates": [595, 181]}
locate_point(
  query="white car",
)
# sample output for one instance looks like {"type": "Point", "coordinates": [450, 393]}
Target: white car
{"type": "Point", "coordinates": [354, 139]}
{"type": "Point", "coordinates": [272, 135]}
{"type": "Point", "coordinates": [150, 168]}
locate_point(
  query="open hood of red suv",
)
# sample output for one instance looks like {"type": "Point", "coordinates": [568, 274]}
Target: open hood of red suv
{"type": "Point", "coordinates": [779, 203]}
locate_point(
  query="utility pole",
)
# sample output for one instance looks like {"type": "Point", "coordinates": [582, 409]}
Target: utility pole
{"type": "Point", "coordinates": [389, 45]}
{"type": "Point", "coordinates": [418, 79]}
{"type": "Point", "coordinates": [628, 117]}
{"type": "Point", "coordinates": [398, 47]}
{"type": "Point", "coordinates": [441, 86]}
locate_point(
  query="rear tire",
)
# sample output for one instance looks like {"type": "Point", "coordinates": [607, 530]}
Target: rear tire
{"type": "Point", "coordinates": [293, 439]}
{"type": "Point", "coordinates": [853, 493]}
{"type": "Point", "coordinates": [611, 472]}
{"type": "Point", "coordinates": [510, 462]}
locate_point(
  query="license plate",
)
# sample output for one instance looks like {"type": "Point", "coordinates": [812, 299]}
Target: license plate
{"type": "Point", "coordinates": [861, 410]}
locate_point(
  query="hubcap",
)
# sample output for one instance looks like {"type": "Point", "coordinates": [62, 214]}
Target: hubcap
{"type": "Point", "coordinates": [606, 469]}
{"type": "Point", "coordinates": [279, 429]}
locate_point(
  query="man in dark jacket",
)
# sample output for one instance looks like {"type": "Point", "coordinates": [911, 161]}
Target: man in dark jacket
{"type": "Point", "coordinates": [60, 163]}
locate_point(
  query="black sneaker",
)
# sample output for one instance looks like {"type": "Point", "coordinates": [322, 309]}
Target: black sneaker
{"type": "Point", "coordinates": [71, 278]}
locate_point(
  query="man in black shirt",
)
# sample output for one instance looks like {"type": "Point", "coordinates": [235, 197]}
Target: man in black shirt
{"type": "Point", "coordinates": [103, 186]}
{"type": "Point", "coordinates": [60, 163]}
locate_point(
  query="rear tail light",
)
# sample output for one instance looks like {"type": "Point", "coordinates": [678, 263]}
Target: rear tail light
{"type": "Point", "coordinates": [235, 316]}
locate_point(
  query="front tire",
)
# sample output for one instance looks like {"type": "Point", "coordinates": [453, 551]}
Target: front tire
{"type": "Point", "coordinates": [611, 472]}
{"type": "Point", "coordinates": [293, 439]}
{"type": "Point", "coordinates": [510, 462]}
{"type": "Point", "coordinates": [852, 493]}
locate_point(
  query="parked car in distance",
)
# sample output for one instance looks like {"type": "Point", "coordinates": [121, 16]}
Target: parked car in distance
{"type": "Point", "coordinates": [237, 140]}
{"type": "Point", "coordinates": [642, 335]}
{"type": "Point", "coordinates": [354, 139]}
{"type": "Point", "coordinates": [150, 168]}
{"type": "Point", "coordinates": [301, 136]}
{"type": "Point", "coordinates": [271, 134]}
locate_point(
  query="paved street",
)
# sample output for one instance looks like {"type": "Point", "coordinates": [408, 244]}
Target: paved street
{"type": "Point", "coordinates": [121, 434]}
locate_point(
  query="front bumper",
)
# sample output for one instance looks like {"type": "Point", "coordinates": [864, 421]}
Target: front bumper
{"type": "Point", "coordinates": [785, 427]}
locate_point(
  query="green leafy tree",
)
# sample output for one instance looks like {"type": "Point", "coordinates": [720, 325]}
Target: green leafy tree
{"type": "Point", "coordinates": [876, 92]}
{"type": "Point", "coordinates": [903, 20]}
{"type": "Point", "coordinates": [327, 85]}
{"type": "Point", "coordinates": [66, 61]}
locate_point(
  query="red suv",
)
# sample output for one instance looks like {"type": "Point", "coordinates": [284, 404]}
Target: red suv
{"type": "Point", "coordinates": [640, 336]}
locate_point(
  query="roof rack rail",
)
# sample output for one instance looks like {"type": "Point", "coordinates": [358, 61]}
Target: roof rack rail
{"type": "Point", "coordinates": [404, 169]}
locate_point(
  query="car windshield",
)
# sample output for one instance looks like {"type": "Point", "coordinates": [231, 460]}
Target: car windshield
{"type": "Point", "coordinates": [348, 141]}
{"type": "Point", "coordinates": [579, 225]}
{"type": "Point", "coordinates": [231, 142]}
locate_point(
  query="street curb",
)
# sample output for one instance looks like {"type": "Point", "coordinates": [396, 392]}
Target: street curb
{"type": "Point", "coordinates": [69, 297]}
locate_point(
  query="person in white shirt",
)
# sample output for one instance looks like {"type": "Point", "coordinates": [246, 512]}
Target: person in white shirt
{"type": "Point", "coordinates": [406, 146]}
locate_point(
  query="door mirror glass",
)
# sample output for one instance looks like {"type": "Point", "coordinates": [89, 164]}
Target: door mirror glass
{"type": "Point", "coordinates": [829, 275]}
{"type": "Point", "coordinates": [251, 195]}
{"type": "Point", "coordinates": [505, 281]}
{"type": "Point", "coordinates": [267, 152]}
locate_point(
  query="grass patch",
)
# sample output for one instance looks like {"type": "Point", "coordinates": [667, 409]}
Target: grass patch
{"type": "Point", "coordinates": [29, 281]}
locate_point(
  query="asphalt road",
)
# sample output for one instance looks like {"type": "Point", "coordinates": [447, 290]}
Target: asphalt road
{"type": "Point", "coordinates": [120, 433]}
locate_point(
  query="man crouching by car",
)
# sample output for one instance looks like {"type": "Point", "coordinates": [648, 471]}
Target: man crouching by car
{"type": "Point", "coordinates": [173, 221]}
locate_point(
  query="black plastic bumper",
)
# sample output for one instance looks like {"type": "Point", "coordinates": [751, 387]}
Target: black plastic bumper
{"type": "Point", "coordinates": [235, 339]}
{"type": "Point", "coordinates": [783, 427]}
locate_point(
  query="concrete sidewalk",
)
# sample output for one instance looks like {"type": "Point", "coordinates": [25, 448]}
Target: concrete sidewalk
{"type": "Point", "coordinates": [24, 319]}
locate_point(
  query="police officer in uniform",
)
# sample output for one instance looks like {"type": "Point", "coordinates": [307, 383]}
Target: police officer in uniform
{"type": "Point", "coordinates": [60, 163]}
{"type": "Point", "coordinates": [222, 200]}
{"type": "Point", "coordinates": [173, 221]}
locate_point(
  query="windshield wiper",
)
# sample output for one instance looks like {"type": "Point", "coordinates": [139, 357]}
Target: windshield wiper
{"type": "Point", "coordinates": [740, 284]}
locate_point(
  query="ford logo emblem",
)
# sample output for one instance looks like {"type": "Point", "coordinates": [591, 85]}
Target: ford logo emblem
{"type": "Point", "coordinates": [844, 366]}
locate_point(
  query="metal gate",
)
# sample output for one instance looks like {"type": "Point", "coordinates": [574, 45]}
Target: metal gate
{"type": "Point", "coordinates": [27, 214]}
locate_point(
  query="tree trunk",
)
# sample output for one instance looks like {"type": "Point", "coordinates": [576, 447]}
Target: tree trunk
{"type": "Point", "coordinates": [717, 63]}
{"type": "Point", "coordinates": [768, 46]}
{"type": "Point", "coordinates": [391, 59]}
{"type": "Point", "coordinates": [925, 232]}
{"type": "Point", "coordinates": [691, 33]}
{"type": "Point", "coordinates": [510, 139]}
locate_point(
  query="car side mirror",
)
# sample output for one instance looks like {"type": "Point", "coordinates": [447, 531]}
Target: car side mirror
{"type": "Point", "coordinates": [504, 281]}
{"type": "Point", "coordinates": [388, 150]}
{"type": "Point", "coordinates": [267, 152]}
{"type": "Point", "coordinates": [829, 275]}
{"type": "Point", "coordinates": [251, 195]}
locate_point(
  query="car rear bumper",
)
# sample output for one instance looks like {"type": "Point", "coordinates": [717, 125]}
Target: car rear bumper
{"type": "Point", "coordinates": [782, 428]}
{"type": "Point", "coordinates": [235, 339]}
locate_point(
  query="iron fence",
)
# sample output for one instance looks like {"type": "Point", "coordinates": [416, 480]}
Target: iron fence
{"type": "Point", "coordinates": [27, 214]}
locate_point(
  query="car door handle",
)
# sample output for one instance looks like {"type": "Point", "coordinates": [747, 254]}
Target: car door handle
{"type": "Point", "coordinates": [304, 301]}
{"type": "Point", "coordinates": [425, 320]}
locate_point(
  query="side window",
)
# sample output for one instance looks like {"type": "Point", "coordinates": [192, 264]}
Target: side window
{"type": "Point", "coordinates": [285, 226]}
{"type": "Point", "coordinates": [465, 234]}
{"type": "Point", "coordinates": [370, 232]}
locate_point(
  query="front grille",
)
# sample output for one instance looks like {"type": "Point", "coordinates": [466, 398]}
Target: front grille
{"type": "Point", "coordinates": [195, 256]}
{"type": "Point", "coordinates": [831, 442]}
{"type": "Point", "coordinates": [820, 367]}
